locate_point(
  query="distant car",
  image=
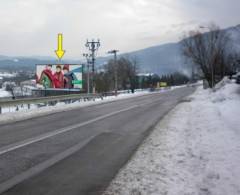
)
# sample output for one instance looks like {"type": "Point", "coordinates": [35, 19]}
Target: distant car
{"type": "Point", "coordinates": [238, 79]}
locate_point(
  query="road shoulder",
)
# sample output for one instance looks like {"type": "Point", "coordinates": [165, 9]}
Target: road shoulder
{"type": "Point", "coordinates": [193, 150]}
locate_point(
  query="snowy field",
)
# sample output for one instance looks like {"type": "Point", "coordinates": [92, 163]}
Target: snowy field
{"type": "Point", "coordinates": [194, 150]}
{"type": "Point", "coordinates": [7, 75]}
{"type": "Point", "coordinates": [4, 93]}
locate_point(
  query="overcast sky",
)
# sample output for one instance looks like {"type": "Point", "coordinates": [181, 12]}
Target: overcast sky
{"type": "Point", "coordinates": [30, 27]}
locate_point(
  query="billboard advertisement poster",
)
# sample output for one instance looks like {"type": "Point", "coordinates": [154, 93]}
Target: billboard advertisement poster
{"type": "Point", "coordinates": [59, 76]}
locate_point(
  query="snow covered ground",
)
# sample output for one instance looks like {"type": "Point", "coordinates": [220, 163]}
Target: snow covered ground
{"type": "Point", "coordinates": [194, 150]}
{"type": "Point", "coordinates": [4, 93]}
{"type": "Point", "coordinates": [7, 75]}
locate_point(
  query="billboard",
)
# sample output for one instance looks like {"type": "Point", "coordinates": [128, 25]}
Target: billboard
{"type": "Point", "coordinates": [59, 76]}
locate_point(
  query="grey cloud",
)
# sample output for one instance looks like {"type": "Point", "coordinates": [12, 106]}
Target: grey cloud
{"type": "Point", "coordinates": [30, 27]}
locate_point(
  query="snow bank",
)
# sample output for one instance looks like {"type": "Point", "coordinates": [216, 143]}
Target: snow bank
{"type": "Point", "coordinates": [194, 150]}
{"type": "Point", "coordinates": [222, 83]}
{"type": "Point", "coordinates": [4, 93]}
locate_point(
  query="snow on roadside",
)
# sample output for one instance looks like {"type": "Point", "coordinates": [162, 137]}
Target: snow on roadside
{"type": "Point", "coordinates": [4, 93]}
{"type": "Point", "coordinates": [10, 114]}
{"type": "Point", "coordinates": [194, 150]}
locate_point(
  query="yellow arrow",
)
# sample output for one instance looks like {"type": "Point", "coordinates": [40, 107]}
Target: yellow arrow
{"type": "Point", "coordinates": [60, 52]}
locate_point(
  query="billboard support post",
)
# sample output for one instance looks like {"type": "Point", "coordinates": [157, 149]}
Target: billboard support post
{"type": "Point", "coordinates": [88, 86]}
{"type": "Point", "coordinates": [88, 58]}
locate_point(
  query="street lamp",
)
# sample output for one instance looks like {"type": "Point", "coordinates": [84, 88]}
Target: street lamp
{"type": "Point", "coordinates": [115, 69]}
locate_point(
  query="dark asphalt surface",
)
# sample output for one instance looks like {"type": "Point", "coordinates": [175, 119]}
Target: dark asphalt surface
{"type": "Point", "coordinates": [78, 152]}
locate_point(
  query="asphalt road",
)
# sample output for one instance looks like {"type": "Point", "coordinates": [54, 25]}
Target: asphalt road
{"type": "Point", "coordinates": [78, 152]}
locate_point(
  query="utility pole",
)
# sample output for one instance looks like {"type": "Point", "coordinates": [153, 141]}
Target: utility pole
{"type": "Point", "coordinates": [115, 69]}
{"type": "Point", "coordinates": [88, 58]}
{"type": "Point", "coordinates": [93, 47]}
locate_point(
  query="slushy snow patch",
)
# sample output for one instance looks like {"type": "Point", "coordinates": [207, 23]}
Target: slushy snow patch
{"type": "Point", "coordinates": [4, 93]}
{"type": "Point", "coordinates": [194, 150]}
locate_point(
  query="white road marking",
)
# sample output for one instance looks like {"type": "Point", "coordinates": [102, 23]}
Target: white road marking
{"type": "Point", "coordinates": [26, 142]}
{"type": "Point", "coordinates": [42, 166]}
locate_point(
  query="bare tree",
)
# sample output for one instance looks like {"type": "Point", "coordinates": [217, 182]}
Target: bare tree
{"type": "Point", "coordinates": [209, 52]}
{"type": "Point", "coordinates": [127, 69]}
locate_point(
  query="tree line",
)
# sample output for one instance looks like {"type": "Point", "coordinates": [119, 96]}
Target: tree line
{"type": "Point", "coordinates": [128, 77]}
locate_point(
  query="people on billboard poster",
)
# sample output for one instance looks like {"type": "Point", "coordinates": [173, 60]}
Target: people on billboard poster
{"type": "Point", "coordinates": [58, 77]}
{"type": "Point", "coordinates": [68, 77]}
{"type": "Point", "coordinates": [46, 78]}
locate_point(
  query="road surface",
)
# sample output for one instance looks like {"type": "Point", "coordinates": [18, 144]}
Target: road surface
{"type": "Point", "coordinates": [79, 151]}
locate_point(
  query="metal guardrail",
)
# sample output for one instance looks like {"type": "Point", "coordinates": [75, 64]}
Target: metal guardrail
{"type": "Point", "coordinates": [52, 100]}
